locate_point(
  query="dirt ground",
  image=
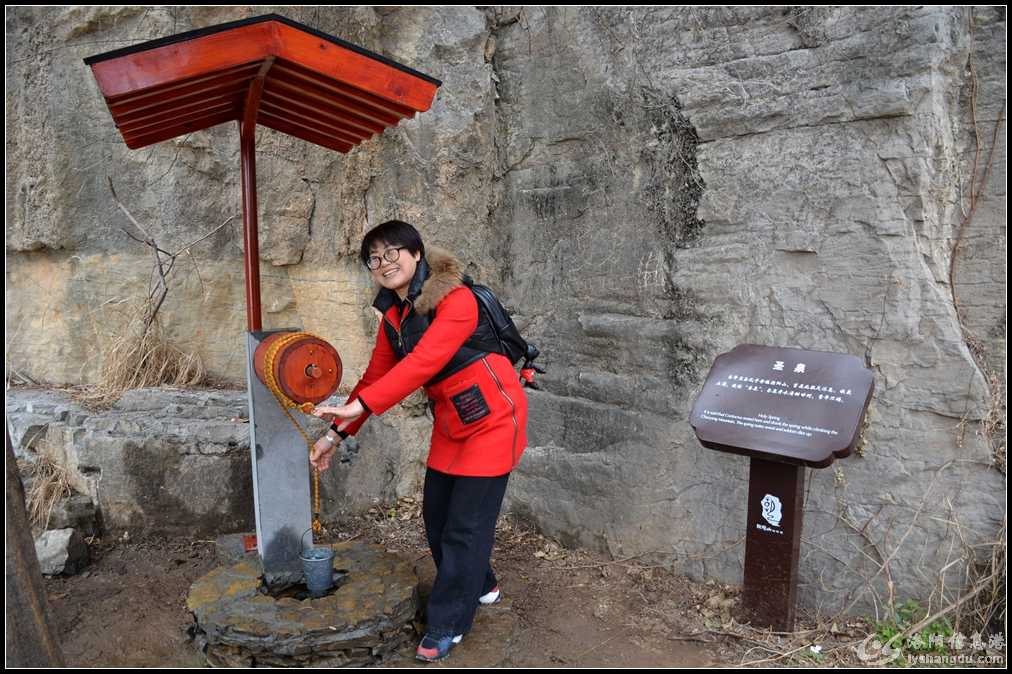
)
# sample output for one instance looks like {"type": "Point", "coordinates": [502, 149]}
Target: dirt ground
{"type": "Point", "coordinates": [561, 608]}
{"type": "Point", "coordinates": [128, 610]}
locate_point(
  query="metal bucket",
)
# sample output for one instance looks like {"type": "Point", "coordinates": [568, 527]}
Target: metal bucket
{"type": "Point", "coordinates": [317, 568]}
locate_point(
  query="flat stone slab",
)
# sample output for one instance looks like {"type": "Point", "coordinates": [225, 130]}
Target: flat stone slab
{"type": "Point", "coordinates": [364, 622]}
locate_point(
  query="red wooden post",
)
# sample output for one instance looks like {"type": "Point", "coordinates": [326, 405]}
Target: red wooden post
{"type": "Point", "coordinates": [247, 158]}
{"type": "Point", "coordinates": [251, 247]}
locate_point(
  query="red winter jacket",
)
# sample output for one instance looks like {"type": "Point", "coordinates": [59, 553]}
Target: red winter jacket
{"type": "Point", "coordinates": [480, 426]}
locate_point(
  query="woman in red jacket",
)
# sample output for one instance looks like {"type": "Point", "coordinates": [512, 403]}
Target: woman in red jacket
{"type": "Point", "coordinates": [431, 334]}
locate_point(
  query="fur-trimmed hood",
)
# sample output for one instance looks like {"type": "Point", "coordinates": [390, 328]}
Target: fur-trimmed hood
{"type": "Point", "coordinates": [436, 275]}
{"type": "Point", "coordinates": [444, 275]}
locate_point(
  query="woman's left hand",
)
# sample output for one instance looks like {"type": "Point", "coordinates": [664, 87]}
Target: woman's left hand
{"type": "Point", "coordinates": [349, 411]}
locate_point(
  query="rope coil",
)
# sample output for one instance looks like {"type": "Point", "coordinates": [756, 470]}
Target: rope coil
{"type": "Point", "coordinates": [287, 403]}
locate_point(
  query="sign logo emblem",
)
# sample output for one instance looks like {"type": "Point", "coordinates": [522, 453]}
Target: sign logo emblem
{"type": "Point", "coordinates": [772, 512]}
{"type": "Point", "coordinates": [875, 653]}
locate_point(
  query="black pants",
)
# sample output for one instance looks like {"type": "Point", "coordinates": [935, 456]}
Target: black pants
{"type": "Point", "coordinates": [460, 515]}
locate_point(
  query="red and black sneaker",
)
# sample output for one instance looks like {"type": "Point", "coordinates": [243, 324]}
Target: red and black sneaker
{"type": "Point", "coordinates": [432, 649]}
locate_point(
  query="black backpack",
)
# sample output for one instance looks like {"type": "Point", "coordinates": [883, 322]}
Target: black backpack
{"type": "Point", "coordinates": [508, 340]}
{"type": "Point", "coordinates": [505, 338]}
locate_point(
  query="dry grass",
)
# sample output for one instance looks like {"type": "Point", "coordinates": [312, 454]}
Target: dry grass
{"type": "Point", "coordinates": [140, 356]}
{"type": "Point", "coordinates": [988, 610]}
{"type": "Point", "coordinates": [49, 485]}
{"type": "Point", "coordinates": [993, 424]}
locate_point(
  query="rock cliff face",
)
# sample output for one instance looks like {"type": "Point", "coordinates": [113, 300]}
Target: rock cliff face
{"type": "Point", "coordinates": [646, 188]}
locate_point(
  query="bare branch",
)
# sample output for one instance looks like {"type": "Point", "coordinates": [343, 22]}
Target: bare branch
{"type": "Point", "coordinates": [196, 269]}
{"type": "Point", "coordinates": [149, 240]}
{"type": "Point", "coordinates": [914, 629]}
{"type": "Point", "coordinates": [128, 233]}
{"type": "Point", "coordinates": [163, 267]}
{"type": "Point", "coordinates": [206, 236]}
{"type": "Point", "coordinates": [154, 312]}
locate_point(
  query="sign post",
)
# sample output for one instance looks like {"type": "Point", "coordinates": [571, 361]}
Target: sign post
{"type": "Point", "coordinates": [773, 543]}
{"type": "Point", "coordinates": [786, 409]}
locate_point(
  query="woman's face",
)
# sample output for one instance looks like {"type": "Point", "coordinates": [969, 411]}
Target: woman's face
{"type": "Point", "coordinates": [395, 275]}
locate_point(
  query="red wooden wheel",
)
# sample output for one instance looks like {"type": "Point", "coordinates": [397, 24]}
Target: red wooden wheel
{"type": "Point", "coordinates": [307, 369]}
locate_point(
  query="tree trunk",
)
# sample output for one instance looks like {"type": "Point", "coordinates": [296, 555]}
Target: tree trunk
{"type": "Point", "coordinates": [31, 639]}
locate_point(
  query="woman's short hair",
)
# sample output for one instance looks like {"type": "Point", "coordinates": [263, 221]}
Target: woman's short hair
{"type": "Point", "coordinates": [392, 233]}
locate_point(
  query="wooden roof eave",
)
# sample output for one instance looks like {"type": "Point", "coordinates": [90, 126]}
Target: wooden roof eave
{"type": "Point", "coordinates": [133, 74]}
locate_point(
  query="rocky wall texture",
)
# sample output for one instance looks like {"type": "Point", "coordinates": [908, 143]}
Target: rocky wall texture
{"type": "Point", "coordinates": [647, 188]}
{"type": "Point", "coordinates": [828, 147]}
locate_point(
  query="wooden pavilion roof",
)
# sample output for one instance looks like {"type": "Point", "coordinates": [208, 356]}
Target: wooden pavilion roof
{"type": "Point", "coordinates": [310, 85]}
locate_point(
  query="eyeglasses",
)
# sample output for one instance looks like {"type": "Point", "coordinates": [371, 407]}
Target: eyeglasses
{"type": "Point", "coordinates": [390, 255]}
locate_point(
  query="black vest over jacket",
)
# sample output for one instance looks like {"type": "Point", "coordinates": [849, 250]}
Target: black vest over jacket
{"type": "Point", "coordinates": [414, 325]}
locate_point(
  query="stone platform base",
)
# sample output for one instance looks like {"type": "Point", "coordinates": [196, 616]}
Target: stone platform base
{"type": "Point", "coordinates": [364, 622]}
